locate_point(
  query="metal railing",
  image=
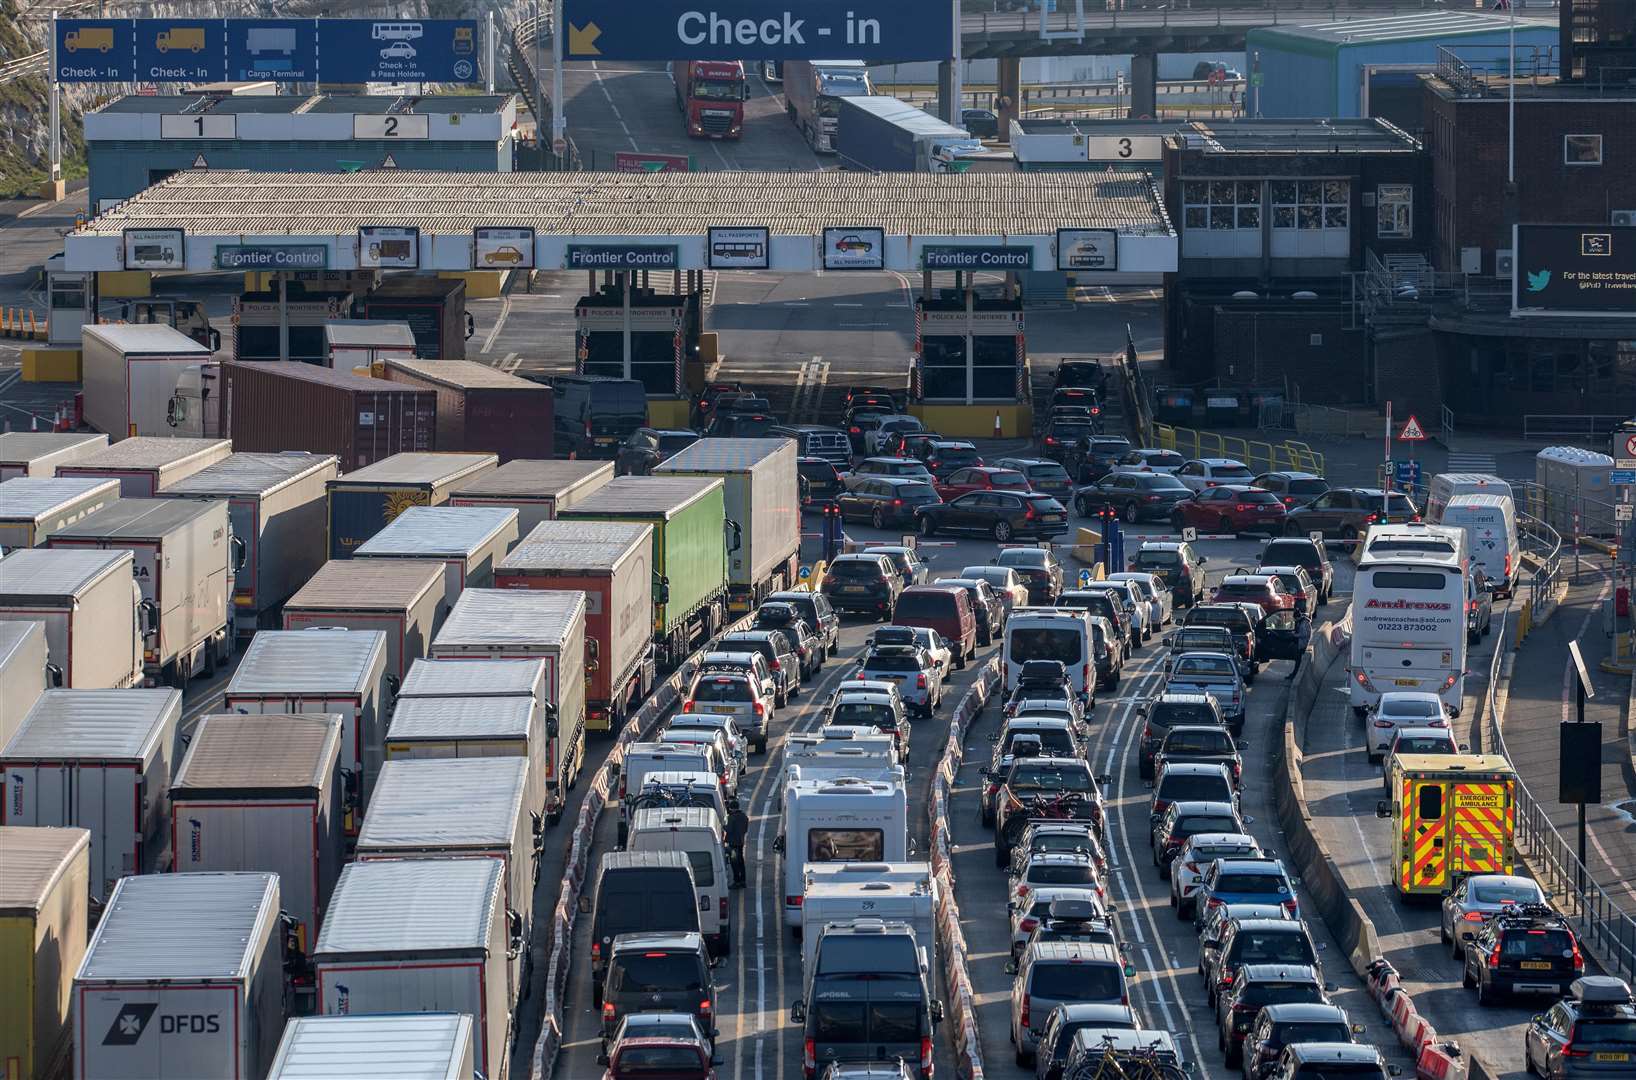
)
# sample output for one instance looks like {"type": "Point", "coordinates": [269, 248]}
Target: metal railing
{"type": "Point", "coordinates": [1445, 425]}
{"type": "Point", "coordinates": [528, 83]}
{"type": "Point", "coordinates": [1583, 427]}
{"type": "Point", "coordinates": [1599, 921]}
{"type": "Point", "coordinates": [1260, 455]}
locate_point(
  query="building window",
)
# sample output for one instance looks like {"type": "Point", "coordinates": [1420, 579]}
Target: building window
{"type": "Point", "coordinates": [1582, 149]}
{"type": "Point", "coordinates": [1221, 204]}
{"type": "Point", "coordinates": [1394, 203]}
{"type": "Point", "coordinates": [1311, 204]}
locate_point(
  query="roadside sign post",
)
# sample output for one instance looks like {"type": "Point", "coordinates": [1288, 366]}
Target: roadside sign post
{"type": "Point", "coordinates": [1579, 774]}
{"type": "Point", "coordinates": [1412, 433]}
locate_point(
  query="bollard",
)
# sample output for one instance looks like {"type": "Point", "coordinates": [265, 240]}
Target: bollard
{"type": "Point", "coordinates": [997, 427]}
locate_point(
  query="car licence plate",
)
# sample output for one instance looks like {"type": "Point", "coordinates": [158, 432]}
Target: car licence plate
{"type": "Point", "coordinates": [1604, 1055]}
{"type": "Point", "coordinates": [854, 588]}
{"type": "Point", "coordinates": [1536, 965]}
{"type": "Point", "coordinates": [1050, 517]}
{"type": "Point", "coordinates": [1405, 682]}
{"type": "Point", "coordinates": [727, 709]}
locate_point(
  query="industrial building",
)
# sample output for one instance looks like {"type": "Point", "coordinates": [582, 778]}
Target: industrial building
{"type": "Point", "coordinates": [136, 141]}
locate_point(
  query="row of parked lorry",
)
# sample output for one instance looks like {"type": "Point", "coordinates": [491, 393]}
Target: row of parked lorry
{"type": "Point", "coordinates": [418, 676]}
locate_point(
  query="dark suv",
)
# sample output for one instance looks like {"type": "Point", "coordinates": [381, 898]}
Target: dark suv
{"type": "Point", "coordinates": [1301, 551]}
{"type": "Point", "coordinates": [1173, 710]}
{"type": "Point", "coordinates": [777, 650]}
{"type": "Point", "coordinates": [1596, 1021]}
{"type": "Point", "coordinates": [1284, 942]}
{"type": "Point", "coordinates": [1135, 496]}
{"type": "Point", "coordinates": [595, 413]}
{"type": "Point", "coordinates": [1281, 1025]}
{"type": "Point", "coordinates": [866, 583]}
{"type": "Point", "coordinates": [1236, 618]}
{"type": "Point", "coordinates": [1175, 564]}
{"type": "Point", "coordinates": [1257, 986]}
{"type": "Point", "coordinates": [658, 972]}
{"type": "Point", "coordinates": [1039, 569]}
{"type": "Point", "coordinates": [1528, 950]}
{"type": "Point", "coordinates": [816, 612]}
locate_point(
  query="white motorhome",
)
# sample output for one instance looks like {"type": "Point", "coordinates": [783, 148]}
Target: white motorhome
{"type": "Point", "coordinates": [1445, 486]}
{"type": "Point", "coordinates": [1490, 524]}
{"type": "Point", "coordinates": [843, 892]}
{"type": "Point", "coordinates": [1408, 625]}
{"type": "Point", "coordinates": [846, 819]}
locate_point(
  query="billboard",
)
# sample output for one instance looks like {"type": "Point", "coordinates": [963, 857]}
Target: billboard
{"type": "Point", "coordinates": [853, 248]}
{"type": "Point", "coordinates": [217, 50]}
{"type": "Point", "coordinates": [502, 248]}
{"type": "Point", "coordinates": [1574, 270]}
{"type": "Point", "coordinates": [1087, 249]}
{"type": "Point", "coordinates": [389, 247]}
{"type": "Point", "coordinates": [282, 50]}
{"type": "Point", "coordinates": [750, 30]}
{"type": "Point", "coordinates": [736, 248]}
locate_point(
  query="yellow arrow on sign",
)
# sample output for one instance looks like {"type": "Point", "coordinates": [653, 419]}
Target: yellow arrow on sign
{"type": "Point", "coordinates": [582, 42]}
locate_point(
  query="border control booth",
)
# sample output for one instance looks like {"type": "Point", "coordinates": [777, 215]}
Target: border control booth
{"type": "Point", "coordinates": [626, 229]}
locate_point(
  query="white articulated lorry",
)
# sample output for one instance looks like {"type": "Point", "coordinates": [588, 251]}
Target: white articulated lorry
{"type": "Point", "coordinates": [91, 607]}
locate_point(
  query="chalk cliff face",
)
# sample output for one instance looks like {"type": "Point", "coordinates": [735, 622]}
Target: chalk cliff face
{"type": "Point", "coordinates": [25, 25]}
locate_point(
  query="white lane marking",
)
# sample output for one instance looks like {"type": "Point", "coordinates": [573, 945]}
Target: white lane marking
{"type": "Point", "coordinates": [511, 362]}
{"type": "Point", "coordinates": [1159, 994]}
{"type": "Point", "coordinates": [1152, 679]}
{"type": "Point", "coordinates": [845, 303]}
{"type": "Point", "coordinates": [499, 323]}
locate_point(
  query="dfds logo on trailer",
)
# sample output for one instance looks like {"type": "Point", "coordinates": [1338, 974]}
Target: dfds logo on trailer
{"type": "Point", "coordinates": [129, 1025]}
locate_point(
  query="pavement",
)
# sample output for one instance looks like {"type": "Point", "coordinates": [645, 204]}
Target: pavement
{"type": "Point", "coordinates": [1541, 697]}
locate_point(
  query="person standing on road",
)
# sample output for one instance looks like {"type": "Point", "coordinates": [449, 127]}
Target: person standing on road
{"type": "Point", "coordinates": [1303, 638]}
{"type": "Point", "coordinates": [738, 827]}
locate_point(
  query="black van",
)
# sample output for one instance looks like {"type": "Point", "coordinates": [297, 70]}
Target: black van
{"type": "Point", "coordinates": [596, 413]}
{"type": "Point", "coordinates": [867, 997]}
{"type": "Point", "coordinates": [634, 892]}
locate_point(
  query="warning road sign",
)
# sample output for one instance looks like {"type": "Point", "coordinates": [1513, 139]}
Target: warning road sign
{"type": "Point", "coordinates": [1412, 431]}
{"type": "Point", "coordinates": [1630, 445]}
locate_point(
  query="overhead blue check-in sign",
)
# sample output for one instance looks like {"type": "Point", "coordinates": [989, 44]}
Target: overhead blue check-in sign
{"type": "Point", "coordinates": [96, 50]}
{"type": "Point", "coordinates": [180, 50]}
{"type": "Point", "coordinates": [756, 30]}
{"type": "Point", "coordinates": [398, 50]}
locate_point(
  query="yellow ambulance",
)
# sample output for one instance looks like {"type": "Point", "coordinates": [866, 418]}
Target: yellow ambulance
{"type": "Point", "coordinates": [1452, 815]}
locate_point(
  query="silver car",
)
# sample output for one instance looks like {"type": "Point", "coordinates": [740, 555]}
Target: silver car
{"type": "Point", "coordinates": [1478, 898]}
{"type": "Point", "coordinates": [1158, 597]}
{"type": "Point", "coordinates": [736, 695]}
{"type": "Point", "coordinates": [1187, 871]}
{"type": "Point", "coordinates": [723, 723]}
{"type": "Point", "coordinates": [1401, 709]}
{"type": "Point", "coordinates": [1030, 911]}
{"type": "Point", "coordinates": [918, 679]}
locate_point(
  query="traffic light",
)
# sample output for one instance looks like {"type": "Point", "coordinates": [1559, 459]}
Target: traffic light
{"type": "Point", "coordinates": [834, 531]}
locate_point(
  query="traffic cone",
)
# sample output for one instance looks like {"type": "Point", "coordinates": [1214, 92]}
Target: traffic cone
{"type": "Point", "coordinates": [997, 423]}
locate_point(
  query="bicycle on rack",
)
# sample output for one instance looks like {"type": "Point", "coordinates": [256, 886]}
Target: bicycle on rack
{"type": "Point", "coordinates": [1122, 1057]}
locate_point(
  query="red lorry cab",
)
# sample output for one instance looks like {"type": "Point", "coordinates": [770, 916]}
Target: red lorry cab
{"type": "Point", "coordinates": [711, 95]}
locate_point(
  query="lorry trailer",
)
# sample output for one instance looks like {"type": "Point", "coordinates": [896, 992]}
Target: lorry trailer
{"type": "Point", "coordinates": [183, 977]}
{"type": "Point", "coordinates": [263, 793]}
{"type": "Point", "coordinates": [762, 497]}
{"type": "Point", "coordinates": [276, 507]}
{"type": "Point", "coordinates": [364, 502]}
{"type": "Point", "coordinates": [406, 936]}
{"type": "Point", "coordinates": [130, 375]}
{"type": "Point", "coordinates": [185, 555]}
{"type": "Point", "coordinates": [612, 563]}
{"type": "Point", "coordinates": [439, 1046]}
{"type": "Point", "coordinates": [146, 465]}
{"type": "Point", "coordinates": [406, 599]}
{"type": "Point", "coordinates": [44, 897]}
{"type": "Point", "coordinates": [691, 540]}
{"type": "Point", "coordinates": [38, 453]}
{"type": "Point", "coordinates": [812, 93]}
{"type": "Point", "coordinates": [468, 541]}
{"type": "Point", "coordinates": [480, 408]}
{"type": "Point", "coordinates": [99, 760]}
{"type": "Point", "coordinates": [91, 609]}
{"type": "Point", "coordinates": [32, 508]}
{"type": "Point", "coordinates": [323, 671]}
{"type": "Point", "coordinates": [270, 406]}
{"type": "Point", "coordinates": [884, 134]}
{"type": "Point", "coordinates": [476, 708]}
{"type": "Point", "coordinates": [536, 489]}
{"type": "Point", "coordinates": [25, 672]}
{"type": "Point", "coordinates": [510, 624]}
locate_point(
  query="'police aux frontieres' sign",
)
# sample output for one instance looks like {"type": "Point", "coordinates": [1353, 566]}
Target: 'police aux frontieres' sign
{"type": "Point", "coordinates": [750, 30]}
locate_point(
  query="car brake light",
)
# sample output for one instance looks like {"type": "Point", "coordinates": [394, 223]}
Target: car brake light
{"type": "Point", "coordinates": [1383, 723]}
{"type": "Point", "coordinates": [587, 429]}
{"type": "Point", "coordinates": [809, 1055]}
{"type": "Point", "coordinates": [1226, 982]}
{"type": "Point", "coordinates": [1149, 498]}
{"type": "Point", "coordinates": [1241, 508]}
{"type": "Point", "coordinates": [1508, 565]}
{"type": "Point", "coordinates": [793, 901]}
{"type": "Point", "coordinates": [596, 950]}
{"type": "Point", "coordinates": [1028, 924]}
{"type": "Point", "coordinates": [1570, 1050]}
{"type": "Point", "coordinates": [1209, 483]}
{"type": "Point", "coordinates": [920, 682]}
{"type": "Point", "coordinates": [1473, 916]}
{"type": "Point", "coordinates": [1029, 514]}
{"type": "Point", "coordinates": [1437, 723]}
{"type": "Point", "coordinates": [761, 710]}
{"type": "Point", "coordinates": [1579, 958]}
{"type": "Point", "coordinates": [1494, 957]}
{"type": "Point", "coordinates": [608, 1012]}
{"type": "Point", "coordinates": [926, 1062]}
{"type": "Point", "coordinates": [704, 1006]}
{"type": "Point", "coordinates": [1214, 901]}
{"type": "Point", "coordinates": [687, 706]}
{"type": "Point", "coordinates": [1289, 906]}
{"type": "Point", "coordinates": [1022, 1019]}
{"type": "Point", "coordinates": [1024, 889]}
{"type": "Point", "coordinates": [1371, 519]}
{"type": "Point", "coordinates": [854, 430]}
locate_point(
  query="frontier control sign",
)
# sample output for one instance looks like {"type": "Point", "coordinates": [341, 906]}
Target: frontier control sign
{"type": "Point", "coordinates": [748, 30]}
{"type": "Point", "coordinates": [622, 257]}
{"type": "Point", "coordinates": [972, 257]}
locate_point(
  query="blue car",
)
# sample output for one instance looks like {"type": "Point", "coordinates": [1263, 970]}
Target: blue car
{"type": "Point", "coordinates": [1245, 881]}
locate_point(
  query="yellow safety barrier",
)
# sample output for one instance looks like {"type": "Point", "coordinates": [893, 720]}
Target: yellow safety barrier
{"type": "Point", "coordinates": [1525, 621]}
{"type": "Point", "coordinates": [814, 580]}
{"type": "Point", "coordinates": [1259, 455]}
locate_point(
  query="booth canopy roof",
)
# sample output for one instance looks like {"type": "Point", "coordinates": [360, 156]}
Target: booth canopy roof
{"type": "Point", "coordinates": [592, 204]}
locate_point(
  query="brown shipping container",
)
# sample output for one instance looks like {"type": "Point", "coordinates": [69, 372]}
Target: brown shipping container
{"type": "Point", "coordinates": [480, 409]}
{"type": "Point", "coordinates": [287, 406]}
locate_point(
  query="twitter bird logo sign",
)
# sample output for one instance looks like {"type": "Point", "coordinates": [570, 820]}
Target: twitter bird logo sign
{"type": "Point", "coordinates": [1538, 280]}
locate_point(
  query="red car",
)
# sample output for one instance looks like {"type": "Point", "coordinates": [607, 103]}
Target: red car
{"type": "Point", "coordinates": [1231, 508]}
{"type": "Point", "coordinates": [981, 478]}
{"type": "Point", "coordinates": [1263, 590]}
